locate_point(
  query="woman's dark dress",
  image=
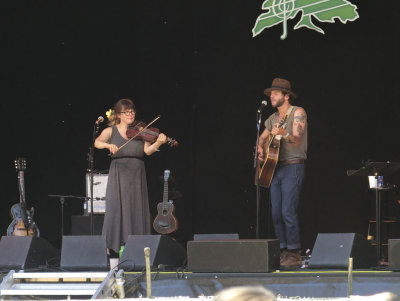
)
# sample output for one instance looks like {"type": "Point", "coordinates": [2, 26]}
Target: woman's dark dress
{"type": "Point", "coordinates": [127, 203]}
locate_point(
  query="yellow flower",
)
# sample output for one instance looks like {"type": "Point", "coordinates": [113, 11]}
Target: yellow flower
{"type": "Point", "coordinates": [109, 113]}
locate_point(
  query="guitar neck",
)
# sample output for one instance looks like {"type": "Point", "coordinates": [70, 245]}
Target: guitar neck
{"type": "Point", "coordinates": [21, 185]}
{"type": "Point", "coordinates": [165, 194]}
{"type": "Point", "coordinates": [281, 124]}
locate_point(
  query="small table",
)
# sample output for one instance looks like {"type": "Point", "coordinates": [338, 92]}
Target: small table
{"type": "Point", "coordinates": [377, 169]}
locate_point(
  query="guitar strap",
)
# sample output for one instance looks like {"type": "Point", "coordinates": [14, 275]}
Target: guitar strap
{"type": "Point", "coordinates": [286, 120]}
{"type": "Point", "coordinates": [287, 116]}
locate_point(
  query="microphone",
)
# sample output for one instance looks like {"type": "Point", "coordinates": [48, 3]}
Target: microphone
{"type": "Point", "coordinates": [264, 103]}
{"type": "Point", "coordinates": [99, 120]}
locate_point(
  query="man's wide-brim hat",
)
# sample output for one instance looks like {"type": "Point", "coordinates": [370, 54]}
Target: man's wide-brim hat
{"type": "Point", "coordinates": [281, 85]}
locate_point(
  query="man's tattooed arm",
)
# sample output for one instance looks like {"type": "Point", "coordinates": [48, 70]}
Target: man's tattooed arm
{"type": "Point", "coordinates": [299, 126]}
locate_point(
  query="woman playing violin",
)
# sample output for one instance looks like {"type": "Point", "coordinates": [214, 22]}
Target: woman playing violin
{"type": "Point", "coordinates": [127, 204]}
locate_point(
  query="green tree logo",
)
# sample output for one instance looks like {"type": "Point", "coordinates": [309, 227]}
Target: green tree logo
{"type": "Point", "coordinates": [279, 11]}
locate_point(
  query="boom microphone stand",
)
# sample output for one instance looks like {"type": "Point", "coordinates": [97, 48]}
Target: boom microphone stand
{"type": "Point", "coordinates": [90, 169]}
{"type": "Point", "coordinates": [62, 201]}
{"type": "Point", "coordinates": [256, 165]}
{"type": "Point", "coordinates": [257, 168]}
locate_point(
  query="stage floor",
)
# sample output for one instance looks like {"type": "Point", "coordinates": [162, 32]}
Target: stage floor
{"type": "Point", "coordinates": [299, 284]}
{"type": "Point", "coordinates": [304, 283]}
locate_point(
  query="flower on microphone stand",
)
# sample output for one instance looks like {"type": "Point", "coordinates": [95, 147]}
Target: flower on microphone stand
{"type": "Point", "coordinates": [109, 113]}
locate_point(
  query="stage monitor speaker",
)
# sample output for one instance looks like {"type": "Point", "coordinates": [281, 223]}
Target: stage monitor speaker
{"type": "Point", "coordinates": [216, 236]}
{"type": "Point", "coordinates": [333, 250]}
{"type": "Point", "coordinates": [25, 252]}
{"type": "Point", "coordinates": [165, 252]}
{"type": "Point", "coordinates": [84, 253]}
{"type": "Point", "coordinates": [233, 256]}
{"type": "Point", "coordinates": [394, 254]}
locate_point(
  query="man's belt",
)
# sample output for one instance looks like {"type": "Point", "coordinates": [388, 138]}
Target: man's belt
{"type": "Point", "coordinates": [288, 162]}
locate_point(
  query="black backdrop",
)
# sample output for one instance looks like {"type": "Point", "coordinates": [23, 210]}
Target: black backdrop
{"type": "Point", "coordinates": [64, 63]}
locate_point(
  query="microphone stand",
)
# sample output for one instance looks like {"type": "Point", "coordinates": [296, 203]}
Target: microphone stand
{"type": "Point", "coordinates": [62, 201]}
{"type": "Point", "coordinates": [257, 168]}
{"type": "Point", "coordinates": [90, 170]}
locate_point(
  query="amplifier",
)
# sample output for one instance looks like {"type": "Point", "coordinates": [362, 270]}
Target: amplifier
{"type": "Point", "coordinates": [99, 207]}
{"type": "Point", "coordinates": [99, 193]}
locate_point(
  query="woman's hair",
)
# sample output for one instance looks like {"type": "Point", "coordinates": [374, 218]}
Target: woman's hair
{"type": "Point", "coordinates": [120, 106]}
{"type": "Point", "coordinates": [245, 293]}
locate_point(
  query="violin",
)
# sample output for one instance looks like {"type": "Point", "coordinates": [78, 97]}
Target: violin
{"type": "Point", "coordinates": [140, 132]}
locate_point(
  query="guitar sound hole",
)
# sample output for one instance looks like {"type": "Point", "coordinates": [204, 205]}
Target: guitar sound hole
{"type": "Point", "coordinates": [165, 212]}
{"type": "Point", "coordinates": [163, 225]}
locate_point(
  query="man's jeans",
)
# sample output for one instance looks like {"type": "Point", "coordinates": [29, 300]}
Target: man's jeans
{"type": "Point", "coordinates": [285, 195]}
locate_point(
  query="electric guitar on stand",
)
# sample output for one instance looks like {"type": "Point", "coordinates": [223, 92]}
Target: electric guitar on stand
{"type": "Point", "coordinates": [165, 221]}
{"type": "Point", "coordinates": [22, 224]}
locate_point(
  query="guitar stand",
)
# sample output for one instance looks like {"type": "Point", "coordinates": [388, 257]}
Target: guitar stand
{"type": "Point", "coordinates": [377, 169]}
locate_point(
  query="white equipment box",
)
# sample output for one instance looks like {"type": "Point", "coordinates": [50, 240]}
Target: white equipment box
{"type": "Point", "coordinates": [99, 193]}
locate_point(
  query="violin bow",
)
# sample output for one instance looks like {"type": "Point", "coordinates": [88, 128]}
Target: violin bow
{"type": "Point", "coordinates": [138, 133]}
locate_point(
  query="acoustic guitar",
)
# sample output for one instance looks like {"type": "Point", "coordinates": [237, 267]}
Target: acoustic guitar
{"type": "Point", "coordinates": [165, 221]}
{"type": "Point", "coordinates": [22, 224]}
{"type": "Point", "coordinates": [271, 154]}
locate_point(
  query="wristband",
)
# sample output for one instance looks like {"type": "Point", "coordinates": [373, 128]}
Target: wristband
{"type": "Point", "coordinates": [287, 134]}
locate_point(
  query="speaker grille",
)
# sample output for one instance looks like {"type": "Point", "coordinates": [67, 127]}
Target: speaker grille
{"type": "Point", "coordinates": [394, 254]}
{"type": "Point", "coordinates": [163, 251]}
{"type": "Point", "coordinates": [333, 250]}
{"type": "Point", "coordinates": [23, 252]}
{"type": "Point", "coordinates": [233, 256]}
{"type": "Point", "coordinates": [84, 253]}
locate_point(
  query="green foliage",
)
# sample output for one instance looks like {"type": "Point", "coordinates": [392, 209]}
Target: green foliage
{"type": "Point", "coordinates": [279, 11]}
